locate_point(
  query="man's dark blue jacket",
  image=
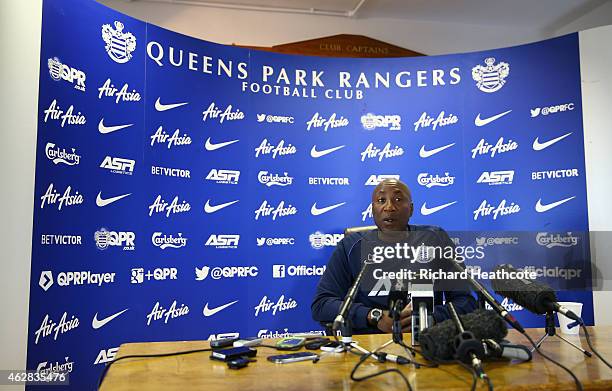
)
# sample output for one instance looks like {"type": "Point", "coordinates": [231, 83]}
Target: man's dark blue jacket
{"type": "Point", "coordinates": [345, 264]}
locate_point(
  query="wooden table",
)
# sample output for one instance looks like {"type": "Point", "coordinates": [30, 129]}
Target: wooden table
{"type": "Point", "coordinates": [198, 372]}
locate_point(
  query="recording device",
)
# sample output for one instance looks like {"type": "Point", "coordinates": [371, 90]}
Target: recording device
{"type": "Point", "coordinates": [340, 321]}
{"type": "Point", "coordinates": [293, 357]}
{"type": "Point", "coordinates": [332, 346]}
{"type": "Point", "coordinates": [422, 296]}
{"type": "Point", "coordinates": [537, 297]}
{"type": "Point", "coordinates": [233, 353]}
{"type": "Point", "coordinates": [316, 343]}
{"type": "Point", "coordinates": [505, 350]}
{"type": "Point", "coordinates": [290, 343]}
{"type": "Point", "coordinates": [223, 343]}
{"type": "Point", "coordinates": [248, 342]}
{"type": "Point", "coordinates": [437, 342]}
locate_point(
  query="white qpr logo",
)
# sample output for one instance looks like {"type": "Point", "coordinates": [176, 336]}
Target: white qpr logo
{"type": "Point", "coordinates": [223, 241]}
{"type": "Point", "coordinates": [387, 152]}
{"type": "Point", "coordinates": [48, 327]}
{"type": "Point", "coordinates": [105, 238]}
{"type": "Point", "coordinates": [426, 121]}
{"type": "Point", "coordinates": [266, 305]}
{"type": "Point", "coordinates": [168, 241]}
{"type": "Point", "coordinates": [318, 240]}
{"type": "Point", "coordinates": [429, 181]}
{"type": "Point", "coordinates": [269, 179]}
{"type": "Point", "coordinates": [59, 155]}
{"type": "Point", "coordinates": [52, 197]}
{"type": "Point", "coordinates": [161, 206]}
{"type": "Point", "coordinates": [60, 71]}
{"type": "Point", "coordinates": [158, 274]}
{"type": "Point", "coordinates": [374, 179]}
{"type": "Point", "coordinates": [118, 44]}
{"type": "Point", "coordinates": [108, 90]}
{"type": "Point", "coordinates": [171, 172]}
{"type": "Point", "coordinates": [372, 121]}
{"type": "Point", "coordinates": [551, 109]}
{"type": "Point", "coordinates": [496, 177]}
{"type": "Point", "coordinates": [484, 148]}
{"type": "Point", "coordinates": [367, 213]}
{"type": "Point", "coordinates": [118, 165]}
{"type": "Point", "coordinates": [275, 118]}
{"type": "Point", "coordinates": [224, 176]}
{"type": "Point", "coordinates": [55, 113]}
{"type": "Point", "coordinates": [214, 112]}
{"type": "Point", "coordinates": [265, 148]}
{"type": "Point", "coordinates": [490, 78]}
{"type": "Point", "coordinates": [485, 209]}
{"type": "Point", "coordinates": [317, 121]}
{"type": "Point", "coordinates": [176, 140]}
{"type": "Point", "coordinates": [280, 210]}
{"type": "Point", "coordinates": [550, 240]}
{"type": "Point", "coordinates": [158, 312]}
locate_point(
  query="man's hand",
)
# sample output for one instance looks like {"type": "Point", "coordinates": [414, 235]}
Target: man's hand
{"type": "Point", "coordinates": [385, 324]}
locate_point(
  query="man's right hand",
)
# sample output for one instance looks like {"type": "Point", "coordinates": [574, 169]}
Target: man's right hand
{"type": "Point", "coordinates": [385, 324]}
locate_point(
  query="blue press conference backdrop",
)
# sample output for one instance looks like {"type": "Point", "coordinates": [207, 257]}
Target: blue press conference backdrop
{"type": "Point", "coordinates": [188, 190]}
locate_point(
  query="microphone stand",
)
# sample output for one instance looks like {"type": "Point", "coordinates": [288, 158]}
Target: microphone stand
{"type": "Point", "coordinates": [467, 347]}
{"type": "Point", "coordinates": [551, 331]}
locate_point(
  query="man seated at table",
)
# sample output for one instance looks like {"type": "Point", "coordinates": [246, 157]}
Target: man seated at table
{"type": "Point", "coordinates": [391, 208]}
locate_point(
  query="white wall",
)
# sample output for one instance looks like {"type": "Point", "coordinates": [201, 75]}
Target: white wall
{"type": "Point", "coordinates": [20, 22]}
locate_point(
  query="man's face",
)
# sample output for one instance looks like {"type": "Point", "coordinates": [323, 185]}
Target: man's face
{"type": "Point", "coordinates": [391, 206]}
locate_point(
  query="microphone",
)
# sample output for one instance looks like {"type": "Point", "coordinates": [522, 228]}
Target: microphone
{"type": "Point", "coordinates": [399, 297]}
{"type": "Point", "coordinates": [341, 318]}
{"type": "Point", "coordinates": [501, 311]}
{"type": "Point", "coordinates": [422, 302]}
{"type": "Point", "coordinates": [537, 297]}
{"type": "Point", "coordinates": [437, 342]}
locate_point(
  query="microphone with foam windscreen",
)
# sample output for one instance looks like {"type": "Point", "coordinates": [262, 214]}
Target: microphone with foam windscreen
{"type": "Point", "coordinates": [437, 342]}
{"type": "Point", "coordinates": [537, 297]}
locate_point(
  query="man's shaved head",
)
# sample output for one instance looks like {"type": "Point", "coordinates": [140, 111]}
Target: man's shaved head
{"type": "Point", "coordinates": [391, 205]}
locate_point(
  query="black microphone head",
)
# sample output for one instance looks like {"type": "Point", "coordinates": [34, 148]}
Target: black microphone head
{"type": "Point", "coordinates": [537, 297]}
{"type": "Point", "coordinates": [437, 342]}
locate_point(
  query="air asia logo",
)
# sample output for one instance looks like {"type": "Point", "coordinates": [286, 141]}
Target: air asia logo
{"type": "Point", "coordinates": [60, 71]}
{"type": "Point", "coordinates": [223, 241]}
{"type": "Point", "coordinates": [217, 273]}
{"type": "Point", "coordinates": [224, 176]}
{"type": "Point", "coordinates": [554, 174]}
{"type": "Point", "coordinates": [168, 241]}
{"type": "Point", "coordinates": [280, 210]}
{"type": "Point", "coordinates": [490, 78]}
{"type": "Point", "coordinates": [367, 214]}
{"type": "Point", "coordinates": [315, 211]}
{"type": "Point", "coordinates": [335, 181]}
{"type": "Point", "coordinates": [118, 44]}
{"type": "Point", "coordinates": [496, 241]}
{"type": "Point", "coordinates": [550, 240]}
{"type": "Point", "coordinates": [49, 368]}
{"type": "Point", "coordinates": [49, 327]}
{"type": "Point", "coordinates": [171, 172]}
{"type": "Point", "coordinates": [315, 154]}
{"type": "Point", "coordinates": [274, 118]}
{"type": "Point", "coordinates": [52, 197]}
{"type": "Point", "coordinates": [161, 206]}
{"type": "Point", "coordinates": [55, 113]}
{"type": "Point", "coordinates": [140, 275]}
{"type": "Point", "coordinates": [317, 122]}
{"type": "Point", "coordinates": [265, 148]}
{"type": "Point", "coordinates": [104, 239]}
{"type": "Point", "coordinates": [124, 94]}
{"type": "Point", "coordinates": [485, 209]}
{"type": "Point", "coordinates": [59, 155]}
{"type": "Point", "coordinates": [267, 305]}
{"type": "Point", "coordinates": [159, 312]}
{"type": "Point", "coordinates": [538, 146]}
{"type": "Point", "coordinates": [426, 121]}
{"type": "Point", "coordinates": [269, 179]}
{"type": "Point", "coordinates": [214, 112]}
{"type": "Point", "coordinates": [429, 181]}
{"type": "Point", "coordinates": [541, 208]}
{"type": "Point", "coordinates": [425, 153]}
{"type": "Point", "coordinates": [374, 179]}
{"type": "Point", "coordinates": [46, 280]}
{"type": "Point", "coordinates": [118, 165]}
{"type": "Point", "coordinates": [176, 140]}
{"type": "Point", "coordinates": [387, 152]}
{"type": "Point", "coordinates": [75, 278]}
{"type": "Point", "coordinates": [106, 355]}
{"type": "Point", "coordinates": [275, 241]}
{"type": "Point", "coordinates": [372, 121]}
{"type": "Point", "coordinates": [484, 148]}
{"type": "Point", "coordinates": [318, 240]}
{"type": "Point", "coordinates": [426, 211]}
{"type": "Point", "coordinates": [551, 109]}
{"type": "Point", "coordinates": [282, 271]}
{"type": "Point", "coordinates": [496, 177]}
{"type": "Point", "coordinates": [64, 240]}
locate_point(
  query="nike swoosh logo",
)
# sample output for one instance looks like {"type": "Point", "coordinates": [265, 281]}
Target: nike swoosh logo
{"type": "Point", "coordinates": [482, 122]}
{"type": "Point", "coordinates": [96, 324]}
{"type": "Point", "coordinates": [425, 153]}
{"type": "Point", "coordinates": [427, 211]}
{"type": "Point", "coordinates": [537, 146]}
{"type": "Point", "coordinates": [211, 311]}
{"type": "Point", "coordinates": [544, 208]}
{"type": "Point", "coordinates": [161, 107]}
{"type": "Point", "coordinates": [208, 208]}
{"type": "Point", "coordinates": [316, 211]}
{"type": "Point", "coordinates": [211, 146]}
{"type": "Point", "coordinates": [109, 129]}
{"type": "Point", "coordinates": [315, 154]}
{"type": "Point", "coordinates": [101, 202]}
